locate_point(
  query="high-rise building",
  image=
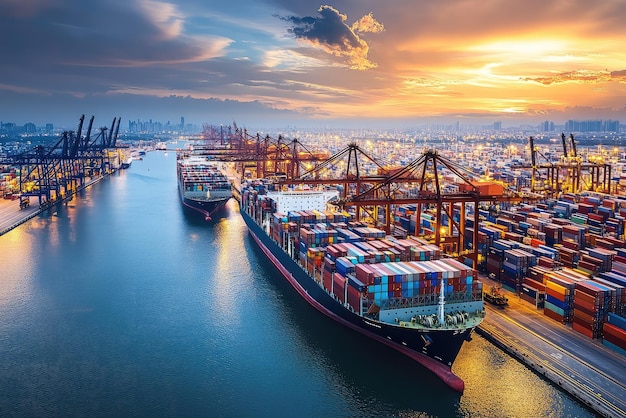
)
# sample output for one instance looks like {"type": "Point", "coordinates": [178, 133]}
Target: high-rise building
{"type": "Point", "coordinates": [547, 126]}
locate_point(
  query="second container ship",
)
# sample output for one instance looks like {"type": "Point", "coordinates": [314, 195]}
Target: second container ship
{"type": "Point", "coordinates": [400, 292]}
{"type": "Point", "coordinates": [202, 187]}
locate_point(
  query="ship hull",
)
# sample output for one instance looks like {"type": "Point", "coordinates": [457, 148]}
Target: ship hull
{"type": "Point", "coordinates": [434, 349]}
{"type": "Point", "coordinates": [203, 209]}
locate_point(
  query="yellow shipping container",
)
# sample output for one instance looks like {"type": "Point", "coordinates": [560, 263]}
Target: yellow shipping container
{"type": "Point", "coordinates": [557, 287]}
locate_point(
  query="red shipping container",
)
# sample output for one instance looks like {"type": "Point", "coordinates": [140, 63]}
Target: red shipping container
{"type": "Point", "coordinates": [585, 316]}
{"type": "Point", "coordinates": [328, 281]}
{"type": "Point", "coordinates": [588, 289]}
{"type": "Point", "coordinates": [545, 262]}
{"type": "Point", "coordinates": [534, 284]}
{"type": "Point", "coordinates": [354, 298]}
{"type": "Point", "coordinates": [553, 315]}
{"type": "Point", "coordinates": [579, 295]}
{"type": "Point", "coordinates": [581, 329]}
{"type": "Point", "coordinates": [615, 335]}
{"type": "Point", "coordinates": [339, 283]}
{"type": "Point", "coordinates": [571, 245]}
{"type": "Point", "coordinates": [555, 294]}
{"type": "Point", "coordinates": [365, 274]}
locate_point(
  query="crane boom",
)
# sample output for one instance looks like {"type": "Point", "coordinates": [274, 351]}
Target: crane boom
{"type": "Point", "coordinates": [571, 136]}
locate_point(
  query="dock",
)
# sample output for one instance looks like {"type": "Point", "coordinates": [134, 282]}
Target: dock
{"type": "Point", "coordinates": [580, 366]}
{"type": "Point", "coordinates": [12, 216]}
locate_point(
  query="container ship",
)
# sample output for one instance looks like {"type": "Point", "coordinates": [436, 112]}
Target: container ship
{"type": "Point", "coordinates": [202, 187]}
{"type": "Point", "coordinates": [402, 293]}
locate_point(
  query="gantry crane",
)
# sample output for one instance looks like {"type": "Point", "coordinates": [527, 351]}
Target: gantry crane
{"type": "Point", "coordinates": [54, 171]}
{"type": "Point", "coordinates": [569, 175]}
{"type": "Point", "coordinates": [370, 188]}
{"type": "Point", "coordinates": [428, 191]}
{"type": "Point", "coordinates": [418, 183]}
{"type": "Point", "coordinates": [264, 156]}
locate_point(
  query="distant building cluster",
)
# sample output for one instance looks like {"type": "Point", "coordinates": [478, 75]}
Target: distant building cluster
{"type": "Point", "coordinates": [583, 126]}
{"type": "Point", "coordinates": [155, 127]}
{"type": "Point", "coordinates": [592, 126]}
{"type": "Point", "coordinates": [547, 126]}
{"type": "Point", "coordinates": [10, 128]}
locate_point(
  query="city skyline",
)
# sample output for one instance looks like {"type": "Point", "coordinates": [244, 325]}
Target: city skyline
{"type": "Point", "coordinates": [277, 62]}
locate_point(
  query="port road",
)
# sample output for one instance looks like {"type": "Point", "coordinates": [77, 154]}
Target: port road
{"type": "Point", "coordinates": [582, 367]}
{"type": "Point", "coordinates": [11, 215]}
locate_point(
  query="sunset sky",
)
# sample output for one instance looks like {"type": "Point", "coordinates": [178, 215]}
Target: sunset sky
{"type": "Point", "coordinates": [278, 62]}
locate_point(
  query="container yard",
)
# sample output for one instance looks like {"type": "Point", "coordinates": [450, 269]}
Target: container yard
{"type": "Point", "coordinates": [573, 269]}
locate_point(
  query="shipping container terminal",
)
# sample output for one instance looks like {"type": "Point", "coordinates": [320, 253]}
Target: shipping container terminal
{"type": "Point", "coordinates": [552, 238]}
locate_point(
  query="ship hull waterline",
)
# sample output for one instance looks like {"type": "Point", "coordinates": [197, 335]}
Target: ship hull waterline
{"type": "Point", "coordinates": [391, 336]}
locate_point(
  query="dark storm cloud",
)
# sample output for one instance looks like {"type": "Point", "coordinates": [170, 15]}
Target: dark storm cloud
{"type": "Point", "coordinates": [330, 32]}
{"type": "Point", "coordinates": [73, 39]}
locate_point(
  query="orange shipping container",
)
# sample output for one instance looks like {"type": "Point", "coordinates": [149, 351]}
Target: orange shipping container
{"type": "Point", "coordinates": [485, 188]}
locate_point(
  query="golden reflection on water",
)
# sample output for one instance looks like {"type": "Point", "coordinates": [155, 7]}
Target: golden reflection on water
{"type": "Point", "coordinates": [17, 270]}
{"type": "Point", "coordinates": [226, 287]}
{"type": "Point", "coordinates": [497, 385]}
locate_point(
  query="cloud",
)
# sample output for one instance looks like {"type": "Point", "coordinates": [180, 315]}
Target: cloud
{"type": "Point", "coordinates": [619, 76]}
{"type": "Point", "coordinates": [165, 16]}
{"type": "Point", "coordinates": [330, 33]}
{"type": "Point", "coordinates": [367, 24]}
{"type": "Point", "coordinates": [92, 47]}
{"type": "Point", "coordinates": [581, 76]}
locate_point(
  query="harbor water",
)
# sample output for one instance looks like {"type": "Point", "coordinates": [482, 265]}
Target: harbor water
{"type": "Point", "coordinates": [118, 304]}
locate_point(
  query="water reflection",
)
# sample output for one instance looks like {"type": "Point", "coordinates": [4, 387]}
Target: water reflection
{"type": "Point", "coordinates": [16, 267]}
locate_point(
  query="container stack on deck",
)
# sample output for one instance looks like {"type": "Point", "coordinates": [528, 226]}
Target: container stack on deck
{"type": "Point", "coordinates": [578, 273]}
{"type": "Point", "coordinates": [361, 266]}
{"type": "Point", "coordinates": [383, 270]}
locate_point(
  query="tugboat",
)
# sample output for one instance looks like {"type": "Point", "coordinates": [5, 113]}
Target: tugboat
{"type": "Point", "coordinates": [495, 297]}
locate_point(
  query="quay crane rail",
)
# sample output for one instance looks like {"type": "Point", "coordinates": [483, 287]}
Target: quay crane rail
{"type": "Point", "coordinates": [54, 171]}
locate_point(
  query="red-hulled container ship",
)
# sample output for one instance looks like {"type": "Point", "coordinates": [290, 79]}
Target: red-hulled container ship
{"type": "Point", "coordinates": [400, 292]}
